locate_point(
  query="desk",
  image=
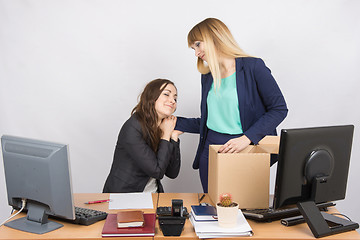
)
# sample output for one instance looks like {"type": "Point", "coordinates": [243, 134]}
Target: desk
{"type": "Point", "coordinates": [262, 231]}
{"type": "Point", "coordinates": [273, 230]}
{"type": "Point", "coordinates": [74, 231]}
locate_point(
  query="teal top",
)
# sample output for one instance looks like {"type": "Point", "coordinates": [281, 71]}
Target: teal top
{"type": "Point", "coordinates": [223, 107]}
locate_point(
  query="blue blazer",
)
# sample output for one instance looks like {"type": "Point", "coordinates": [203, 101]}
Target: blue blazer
{"type": "Point", "coordinates": [261, 104]}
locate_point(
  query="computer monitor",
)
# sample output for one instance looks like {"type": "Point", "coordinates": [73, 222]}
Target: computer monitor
{"type": "Point", "coordinates": [313, 168]}
{"type": "Point", "coordinates": [39, 172]}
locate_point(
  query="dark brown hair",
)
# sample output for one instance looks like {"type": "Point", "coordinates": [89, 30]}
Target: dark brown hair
{"type": "Point", "coordinates": [146, 113]}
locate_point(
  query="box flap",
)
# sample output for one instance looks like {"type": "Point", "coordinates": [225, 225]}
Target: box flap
{"type": "Point", "coordinates": [270, 140]}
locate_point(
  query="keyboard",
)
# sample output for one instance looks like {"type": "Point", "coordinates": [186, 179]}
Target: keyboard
{"type": "Point", "coordinates": [269, 215]}
{"type": "Point", "coordinates": [86, 216]}
{"type": "Point", "coordinates": [83, 216]}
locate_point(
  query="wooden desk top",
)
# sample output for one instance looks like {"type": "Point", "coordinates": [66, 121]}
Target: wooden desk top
{"type": "Point", "coordinates": [74, 231]}
{"type": "Point", "coordinates": [272, 230]}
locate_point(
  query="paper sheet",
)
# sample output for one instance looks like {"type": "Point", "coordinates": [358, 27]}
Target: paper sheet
{"type": "Point", "coordinates": [130, 201]}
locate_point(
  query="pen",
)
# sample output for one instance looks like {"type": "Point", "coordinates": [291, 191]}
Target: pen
{"type": "Point", "coordinates": [98, 201]}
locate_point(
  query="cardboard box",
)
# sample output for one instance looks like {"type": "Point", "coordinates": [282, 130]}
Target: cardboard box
{"type": "Point", "coordinates": [244, 175]}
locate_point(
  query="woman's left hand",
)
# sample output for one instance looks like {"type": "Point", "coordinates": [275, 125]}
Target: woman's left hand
{"type": "Point", "coordinates": [235, 145]}
{"type": "Point", "coordinates": [167, 126]}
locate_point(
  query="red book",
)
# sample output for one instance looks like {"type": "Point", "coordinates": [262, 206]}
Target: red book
{"type": "Point", "coordinates": [110, 228]}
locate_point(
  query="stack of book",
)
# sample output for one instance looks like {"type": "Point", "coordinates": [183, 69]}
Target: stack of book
{"type": "Point", "coordinates": [203, 213]}
{"type": "Point", "coordinates": [206, 225]}
{"type": "Point", "coordinates": [129, 224]}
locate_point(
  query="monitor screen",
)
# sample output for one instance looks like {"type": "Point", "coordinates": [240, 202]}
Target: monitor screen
{"type": "Point", "coordinates": [313, 164]}
{"type": "Point", "coordinates": [39, 172]}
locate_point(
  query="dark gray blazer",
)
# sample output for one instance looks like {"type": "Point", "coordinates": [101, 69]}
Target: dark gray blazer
{"type": "Point", "coordinates": [135, 162]}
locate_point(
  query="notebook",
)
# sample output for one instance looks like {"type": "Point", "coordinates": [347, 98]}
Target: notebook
{"type": "Point", "coordinates": [110, 228]}
{"type": "Point", "coordinates": [133, 218]}
{"type": "Point", "coordinates": [203, 213]}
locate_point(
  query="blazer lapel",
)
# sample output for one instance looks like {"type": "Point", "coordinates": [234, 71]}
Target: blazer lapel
{"type": "Point", "coordinates": [240, 87]}
{"type": "Point", "coordinates": [206, 85]}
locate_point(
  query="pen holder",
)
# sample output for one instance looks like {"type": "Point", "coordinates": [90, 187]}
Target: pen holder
{"type": "Point", "coordinates": [171, 225]}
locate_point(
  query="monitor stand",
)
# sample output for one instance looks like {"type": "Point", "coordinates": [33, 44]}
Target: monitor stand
{"type": "Point", "coordinates": [323, 224]}
{"type": "Point", "coordinates": [36, 221]}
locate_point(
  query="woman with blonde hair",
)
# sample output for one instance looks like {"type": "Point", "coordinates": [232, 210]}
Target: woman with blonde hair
{"type": "Point", "coordinates": [147, 146]}
{"type": "Point", "coordinates": [240, 100]}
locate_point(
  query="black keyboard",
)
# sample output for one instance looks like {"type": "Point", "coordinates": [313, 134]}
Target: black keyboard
{"type": "Point", "coordinates": [268, 215]}
{"type": "Point", "coordinates": [86, 216]}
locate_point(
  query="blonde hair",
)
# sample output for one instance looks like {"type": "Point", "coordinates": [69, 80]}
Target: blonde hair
{"type": "Point", "coordinates": [218, 41]}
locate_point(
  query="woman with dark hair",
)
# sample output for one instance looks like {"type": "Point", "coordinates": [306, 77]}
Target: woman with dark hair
{"type": "Point", "coordinates": [147, 146]}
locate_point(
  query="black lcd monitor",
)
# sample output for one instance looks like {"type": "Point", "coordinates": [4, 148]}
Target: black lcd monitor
{"type": "Point", "coordinates": [39, 173]}
{"type": "Point", "coordinates": [313, 168]}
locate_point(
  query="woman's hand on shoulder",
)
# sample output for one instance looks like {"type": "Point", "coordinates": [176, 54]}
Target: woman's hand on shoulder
{"type": "Point", "coordinates": [235, 145]}
{"type": "Point", "coordinates": [167, 126]}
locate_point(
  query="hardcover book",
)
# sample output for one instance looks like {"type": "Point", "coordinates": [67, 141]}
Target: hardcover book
{"type": "Point", "coordinates": [133, 218]}
{"type": "Point", "coordinates": [211, 229]}
{"type": "Point", "coordinates": [110, 228]}
{"type": "Point", "coordinates": [203, 213]}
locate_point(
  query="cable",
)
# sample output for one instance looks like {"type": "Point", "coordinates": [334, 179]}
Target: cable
{"type": "Point", "coordinates": [201, 198]}
{"type": "Point", "coordinates": [23, 204]}
{"type": "Point", "coordinates": [342, 216]}
{"type": "Point", "coordinates": [157, 202]}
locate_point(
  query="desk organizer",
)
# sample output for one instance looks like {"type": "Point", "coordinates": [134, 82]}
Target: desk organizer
{"type": "Point", "coordinates": [171, 225]}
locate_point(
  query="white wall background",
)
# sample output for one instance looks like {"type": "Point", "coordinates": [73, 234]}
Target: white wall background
{"type": "Point", "coordinates": [71, 71]}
